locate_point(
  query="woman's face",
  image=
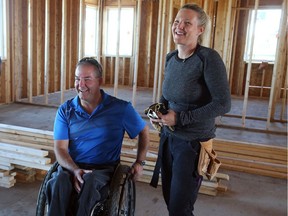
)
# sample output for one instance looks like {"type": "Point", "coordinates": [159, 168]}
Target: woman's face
{"type": "Point", "coordinates": [185, 29]}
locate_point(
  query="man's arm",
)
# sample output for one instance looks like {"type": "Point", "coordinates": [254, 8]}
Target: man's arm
{"type": "Point", "coordinates": [62, 155]}
{"type": "Point", "coordinates": [65, 160]}
{"type": "Point", "coordinates": [143, 145]}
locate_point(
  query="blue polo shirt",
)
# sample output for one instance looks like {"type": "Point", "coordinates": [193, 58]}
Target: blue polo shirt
{"type": "Point", "coordinates": [97, 138]}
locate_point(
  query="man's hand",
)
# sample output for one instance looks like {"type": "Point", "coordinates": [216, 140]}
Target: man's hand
{"type": "Point", "coordinates": [78, 178]}
{"type": "Point", "coordinates": [136, 171]}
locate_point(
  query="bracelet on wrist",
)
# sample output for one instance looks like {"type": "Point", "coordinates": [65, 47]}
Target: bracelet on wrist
{"type": "Point", "coordinates": [141, 163]}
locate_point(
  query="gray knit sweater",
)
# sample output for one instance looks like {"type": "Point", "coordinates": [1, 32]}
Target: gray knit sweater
{"type": "Point", "coordinates": [197, 90]}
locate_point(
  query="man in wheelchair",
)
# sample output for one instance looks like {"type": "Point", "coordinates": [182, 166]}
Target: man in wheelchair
{"type": "Point", "coordinates": [88, 134]}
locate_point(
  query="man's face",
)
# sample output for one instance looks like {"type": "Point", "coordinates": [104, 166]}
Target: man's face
{"type": "Point", "coordinates": [185, 29]}
{"type": "Point", "coordinates": [87, 84]}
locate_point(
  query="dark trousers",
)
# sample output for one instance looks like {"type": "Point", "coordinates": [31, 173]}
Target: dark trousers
{"type": "Point", "coordinates": [61, 195]}
{"type": "Point", "coordinates": [180, 179]}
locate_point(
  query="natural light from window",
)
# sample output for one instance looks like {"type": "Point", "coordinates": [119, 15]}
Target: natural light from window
{"type": "Point", "coordinates": [91, 29]}
{"type": "Point", "coordinates": [126, 31]}
{"type": "Point", "coordinates": [266, 35]}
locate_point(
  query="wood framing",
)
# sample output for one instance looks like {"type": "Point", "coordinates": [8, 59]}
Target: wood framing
{"type": "Point", "coordinates": [46, 39]}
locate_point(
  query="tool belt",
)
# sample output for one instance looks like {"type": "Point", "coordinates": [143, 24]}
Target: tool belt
{"type": "Point", "coordinates": [208, 164]}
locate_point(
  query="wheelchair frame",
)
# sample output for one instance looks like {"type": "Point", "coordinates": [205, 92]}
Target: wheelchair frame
{"type": "Point", "coordinates": [120, 202]}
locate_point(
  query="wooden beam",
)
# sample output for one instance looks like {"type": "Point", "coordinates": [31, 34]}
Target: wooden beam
{"type": "Point", "coordinates": [279, 63]}
{"type": "Point", "coordinates": [17, 45]}
{"type": "Point", "coordinates": [248, 75]}
{"type": "Point", "coordinates": [117, 59]}
{"type": "Point", "coordinates": [63, 50]}
{"type": "Point", "coordinates": [23, 150]}
{"type": "Point", "coordinates": [162, 52]}
{"type": "Point", "coordinates": [8, 81]}
{"type": "Point", "coordinates": [136, 57]}
{"type": "Point", "coordinates": [170, 22]}
{"type": "Point", "coordinates": [81, 29]}
{"type": "Point", "coordinates": [47, 50]}
{"type": "Point", "coordinates": [225, 56]}
{"type": "Point", "coordinates": [100, 27]}
{"type": "Point", "coordinates": [30, 51]}
{"type": "Point", "coordinates": [156, 67]}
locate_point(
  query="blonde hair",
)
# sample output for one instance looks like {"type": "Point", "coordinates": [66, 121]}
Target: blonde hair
{"type": "Point", "coordinates": [203, 19]}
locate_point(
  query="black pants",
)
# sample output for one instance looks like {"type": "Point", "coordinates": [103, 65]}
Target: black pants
{"type": "Point", "coordinates": [180, 179]}
{"type": "Point", "coordinates": [61, 194]}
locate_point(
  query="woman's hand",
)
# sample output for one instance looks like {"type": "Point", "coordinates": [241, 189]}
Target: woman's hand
{"type": "Point", "coordinates": [168, 119]}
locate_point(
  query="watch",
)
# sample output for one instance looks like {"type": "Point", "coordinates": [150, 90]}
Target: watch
{"type": "Point", "coordinates": [142, 163]}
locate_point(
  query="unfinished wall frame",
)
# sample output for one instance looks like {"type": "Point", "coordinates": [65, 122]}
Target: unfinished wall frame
{"type": "Point", "coordinates": [52, 32]}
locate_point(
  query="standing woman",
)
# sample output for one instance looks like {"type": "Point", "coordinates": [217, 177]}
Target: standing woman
{"type": "Point", "coordinates": [195, 91]}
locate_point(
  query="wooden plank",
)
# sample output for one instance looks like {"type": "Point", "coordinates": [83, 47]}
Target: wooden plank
{"type": "Point", "coordinates": [247, 157]}
{"type": "Point", "coordinates": [253, 164]}
{"type": "Point", "coordinates": [5, 167]}
{"type": "Point", "coordinates": [63, 50]}
{"type": "Point", "coordinates": [8, 185]}
{"type": "Point", "coordinates": [29, 164]}
{"type": "Point", "coordinates": [4, 173]}
{"type": "Point", "coordinates": [31, 145]}
{"type": "Point", "coordinates": [255, 171]}
{"type": "Point", "coordinates": [26, 158]}
{"type": "Point", "coordinates": [24, 150]}
{"type": "Point", "coordinates": [157, 55]}
{"type": "Point", "coordinates": [10, 36]}
{"type": "Point", "coordinates": [25, 131]}
{"type": "Point", "coordinates": [279, 63]}
{"type": "Point", "coordinates": [47, 50]}
{"type": "Point", "coordinates": [248, 75]}
{"type": "Point", "coordinates": [30, 51]}
{"type": "Point", "coordinates": [136, 56]}
{"type": "Point", "coordinates": [23, 138]}
{"type": "Point", "coordinates": [249, 147]}
{"type": "Point", "coordinates": [252, 152]}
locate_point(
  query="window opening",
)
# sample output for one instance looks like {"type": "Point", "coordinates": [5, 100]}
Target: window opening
{"type": "Point", "coordinates": [126, 31]}
{"type": "Point", "coordinates": [91, 30]}
{"type": "Point", "coordinates": [266, 35]}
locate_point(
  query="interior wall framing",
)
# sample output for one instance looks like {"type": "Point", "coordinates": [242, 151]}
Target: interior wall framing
{"type": "Point", "coordinates": [50, 68]}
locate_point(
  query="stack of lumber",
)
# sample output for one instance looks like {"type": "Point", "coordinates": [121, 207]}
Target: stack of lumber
{"type": "Point", "coordinates": [128, 156]}
{"type": "Point", "coordinates": [24, 156]}
{"type": "Point", "coordinates": [28, 137]}
{"type": "Point", "coordinates": [252, 158]}
{"type": "Point", "coordinates": [234, 155]}
{"type": "Point", "coordinates": [21, 162]}
{"type": "Point", "coordinates": [24, 174]}
{"type": "Point", "coordinates": [7, 178]}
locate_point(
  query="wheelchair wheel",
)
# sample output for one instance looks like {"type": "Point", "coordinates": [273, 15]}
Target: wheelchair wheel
{"type": "Point", "coordinates": [41, 208]}
{"type": "Point", "coordinates": [121, 201]}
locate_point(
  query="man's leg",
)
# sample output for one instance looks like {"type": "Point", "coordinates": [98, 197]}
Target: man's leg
{"type": "Point", "coordinates": [185, 182]}
{"type": "Point", "coordinates": [91, 189]}
{"type": "Point", "coordinates": [58, 192]}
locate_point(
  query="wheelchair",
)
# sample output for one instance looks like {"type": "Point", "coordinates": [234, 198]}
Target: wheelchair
{"type": "Point", "coordinates": [120, 201]}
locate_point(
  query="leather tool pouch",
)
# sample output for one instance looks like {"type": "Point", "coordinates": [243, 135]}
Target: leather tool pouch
{"type": "Point", "coordinates": [208, 164]}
